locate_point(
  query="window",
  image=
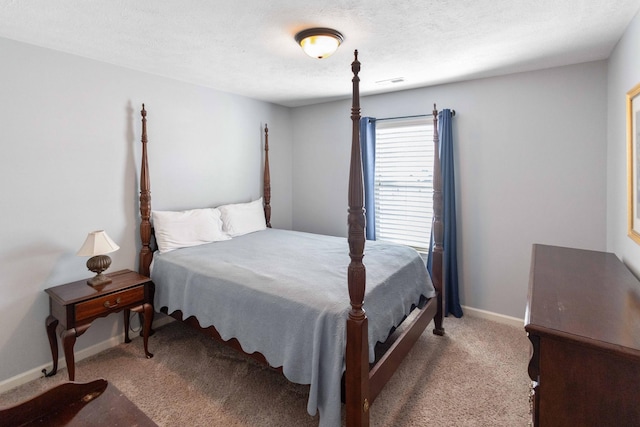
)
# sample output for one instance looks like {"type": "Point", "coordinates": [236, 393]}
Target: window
{"type": "Point", "coordinates": [404, 181]}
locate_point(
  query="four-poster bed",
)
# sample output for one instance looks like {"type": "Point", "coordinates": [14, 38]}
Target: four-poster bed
{"type": "Point", "coordinates": [299, 321]}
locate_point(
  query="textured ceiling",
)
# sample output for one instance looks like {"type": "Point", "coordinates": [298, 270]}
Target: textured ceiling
{"type": "Point", "coordinates": [247, 47]}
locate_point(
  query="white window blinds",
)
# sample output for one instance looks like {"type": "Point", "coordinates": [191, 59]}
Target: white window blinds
{"type": "Point", "coordinates": [404, 181]}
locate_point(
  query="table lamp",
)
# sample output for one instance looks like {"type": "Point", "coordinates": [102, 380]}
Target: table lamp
{"type": "Point", "coordinates": [96, 246]}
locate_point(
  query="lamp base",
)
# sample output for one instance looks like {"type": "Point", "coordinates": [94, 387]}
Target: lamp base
{"type": "Point", "coordinates": [99, 280]}
{"type": "Point", "coordinates": [98, 264]}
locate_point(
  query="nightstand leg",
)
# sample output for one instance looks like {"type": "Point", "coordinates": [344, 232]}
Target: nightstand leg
{"type": "Point", "coordinates": [151, 331]}
{"type": "Point", "coordinates": [68, 341]}
{"type": "Point", "coordinates": [52, 324]}
{"type": "Point", "coordinates": [127, 314]}
{"type": "Point", "coordinates": [148, 318]}
{"type": "Point", "coordinates": [152, 293]}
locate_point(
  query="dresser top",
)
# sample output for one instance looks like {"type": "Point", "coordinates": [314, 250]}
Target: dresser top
{"type": "Point", "coordinates": [588, 295]}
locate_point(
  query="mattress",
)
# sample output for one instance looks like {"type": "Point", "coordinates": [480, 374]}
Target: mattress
{"type": "Point", "coordinates": [284, 294]}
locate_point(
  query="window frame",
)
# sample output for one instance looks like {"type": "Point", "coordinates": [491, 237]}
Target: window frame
{"type": "Point", "coordinates": [417, 190]}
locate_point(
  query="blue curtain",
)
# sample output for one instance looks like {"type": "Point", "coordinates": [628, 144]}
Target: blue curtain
{"type": "Point", "coordinates": [450, 259]}
{"type": "Point", "coordinates": [368, 149]}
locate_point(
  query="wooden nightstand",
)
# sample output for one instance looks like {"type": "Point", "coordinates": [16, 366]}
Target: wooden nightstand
{"type": "Point", "coordinates": [75, 305]}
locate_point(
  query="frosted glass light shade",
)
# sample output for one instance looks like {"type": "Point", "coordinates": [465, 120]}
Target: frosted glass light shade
{"type": "Point", "coordinates": [319, 42]}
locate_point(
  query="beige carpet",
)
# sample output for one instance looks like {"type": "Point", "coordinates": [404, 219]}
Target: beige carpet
{"type": "Point", "coordinates": [476, 375]}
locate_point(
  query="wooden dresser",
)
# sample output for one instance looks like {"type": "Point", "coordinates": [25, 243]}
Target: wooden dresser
{"type": "Point", "coordinates": [583, 320]}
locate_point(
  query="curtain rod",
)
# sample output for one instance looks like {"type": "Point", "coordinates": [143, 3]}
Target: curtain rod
{"type": "Point", "coordinates": [453, 114]}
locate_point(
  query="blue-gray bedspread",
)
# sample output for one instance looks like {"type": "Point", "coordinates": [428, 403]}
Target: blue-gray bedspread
{"type": "Point", "coordinates": [284, 294]}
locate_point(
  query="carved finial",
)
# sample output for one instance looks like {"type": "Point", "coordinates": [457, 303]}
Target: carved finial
{"type": "Point", "coordinates": [266, 128]}
{"type": "Point", "coordinates": [355, 65]}
{"type": "Point", "coordinates": [143, 112]}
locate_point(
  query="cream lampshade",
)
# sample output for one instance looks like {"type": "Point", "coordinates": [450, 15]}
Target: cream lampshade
{"type": "Point", "coordinates": [96, 246]}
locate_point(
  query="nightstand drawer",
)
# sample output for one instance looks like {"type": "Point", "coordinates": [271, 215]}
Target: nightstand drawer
{"type": "Point", "coordinates": [109, 303]}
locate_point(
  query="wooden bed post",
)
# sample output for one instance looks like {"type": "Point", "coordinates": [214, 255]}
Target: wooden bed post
{"type": "Point", "coordinates": [145, 204]}
{"type": "Point", "coordinates": [267, 179]}
{"type": "Point", "coordinates": [357, 349]}
{"type": "Point", "coordinates": [438, 229]}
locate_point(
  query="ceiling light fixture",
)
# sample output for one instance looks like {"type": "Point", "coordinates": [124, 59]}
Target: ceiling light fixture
{"type": "Point", "coordinates": [319, 42]}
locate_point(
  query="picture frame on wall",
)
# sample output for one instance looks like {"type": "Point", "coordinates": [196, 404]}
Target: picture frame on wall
{"type": "Point", "coordinates": [633, 162]}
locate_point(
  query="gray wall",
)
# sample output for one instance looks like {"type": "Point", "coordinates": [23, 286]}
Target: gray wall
{"type": "Point", "coordinates": [539, 160]}
{"type": "Point", "coordinates": [623, 74]}
{"type": "Point", "coordinates": [69, 132]}
{"type": "Point", "coordinates": [531, 168]}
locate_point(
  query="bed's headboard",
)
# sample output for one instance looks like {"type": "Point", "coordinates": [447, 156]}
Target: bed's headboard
{"type": "Point", "coordinates": [146, 254]}
{"type": "Point", "coordinates": [146, 231]}
{"type": "Point", "coordinates": [266, 181]}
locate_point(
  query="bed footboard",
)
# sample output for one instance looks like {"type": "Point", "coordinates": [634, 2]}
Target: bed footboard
{"type": "Point", "coordinates": [403, 340]}
{"type": "Point", "coordinates": [357, 348]}
{"type": "Point", "coordinates": [362, 385]}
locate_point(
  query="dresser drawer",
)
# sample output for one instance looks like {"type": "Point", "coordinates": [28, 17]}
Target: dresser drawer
{"type": "Point", "coordinates": [109, 303]}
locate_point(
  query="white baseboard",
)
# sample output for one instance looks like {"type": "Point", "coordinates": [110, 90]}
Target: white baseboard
{"type": "Point", "coordinates": [496, 317]}
{"type": "Point", "coordinates": [36, 373]}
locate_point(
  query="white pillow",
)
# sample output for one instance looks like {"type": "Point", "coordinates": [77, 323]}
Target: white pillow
{"type": "Point", "coordinates": [243, 218]}
{"type": "Point", "coordinates": [174, 230]}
